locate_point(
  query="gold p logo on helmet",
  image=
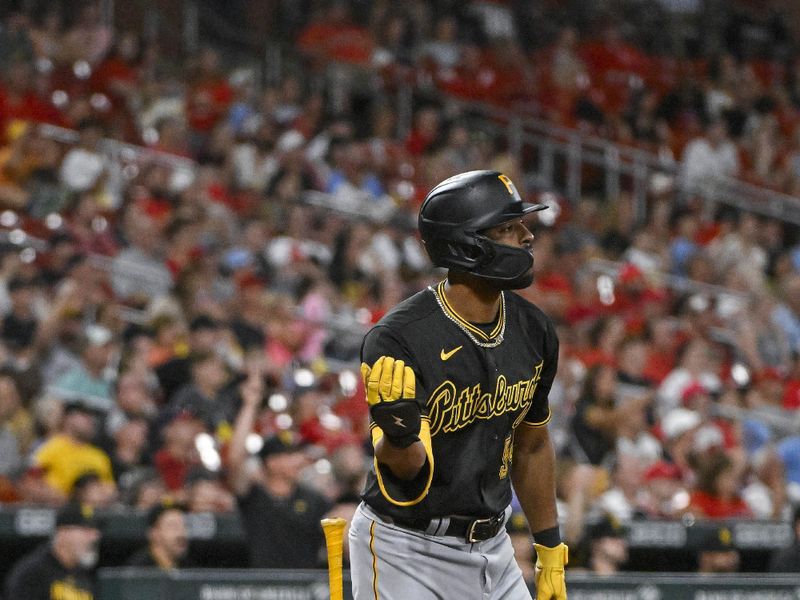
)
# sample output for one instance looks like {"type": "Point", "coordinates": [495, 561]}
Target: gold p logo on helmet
{"type": "Point", "coordinates": [507, 182]}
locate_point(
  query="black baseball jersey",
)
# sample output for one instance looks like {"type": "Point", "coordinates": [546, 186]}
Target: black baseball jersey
{"type": "Point", "coordinates": [471, 397]}
{"type": "Point", "coordinates": [41, 576]}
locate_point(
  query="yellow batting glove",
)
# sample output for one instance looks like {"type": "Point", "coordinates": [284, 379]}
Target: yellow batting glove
{"type": "Point", "coordinates": [391, 392]}
{"type": "Point", "coordinates": [549, 574]}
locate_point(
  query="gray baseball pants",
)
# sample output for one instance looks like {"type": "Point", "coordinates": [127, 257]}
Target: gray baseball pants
{"type": "Point", "coordinates": [389, 562]}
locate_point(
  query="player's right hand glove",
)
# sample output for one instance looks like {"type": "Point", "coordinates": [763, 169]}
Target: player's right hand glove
{"type": "Point", "coordinates": [549, 574]}
{"type": "Point", "coordinates": [390, 394]}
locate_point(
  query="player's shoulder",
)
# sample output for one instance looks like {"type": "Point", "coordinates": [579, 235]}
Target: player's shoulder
{"type": "Point", "coordinates": [527, 310]}
{"type": "Point", "coordinates": [402, 326]}
{"type": "Point", "coordinates": [412, 310]}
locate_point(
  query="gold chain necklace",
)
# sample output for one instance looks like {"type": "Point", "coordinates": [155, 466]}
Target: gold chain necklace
{"type": "Point", "coordinates": [497, 340]}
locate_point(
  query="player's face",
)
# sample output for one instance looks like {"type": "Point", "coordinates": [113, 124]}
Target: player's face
{"type": "Point", "coordinates": [512, 233]}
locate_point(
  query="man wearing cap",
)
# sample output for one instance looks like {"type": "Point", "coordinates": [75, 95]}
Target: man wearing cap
{"type": "Point", "coordinates": [280, 516]}
{"type": "Point", "coordinates": [62, 568]}
{"type": "Point", "coordinates": [63, 458]}
{"type": "Point", "coordinates": [608, 545]}
{"type": "Point", "coordinates": [717, 554]}
{"type": "Point", "coordinates": [663, 494]}
{"type": "Point", "coordinates": [167, 539]}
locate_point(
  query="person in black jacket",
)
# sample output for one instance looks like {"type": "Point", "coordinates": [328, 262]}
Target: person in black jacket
{"type": "Point", "coordinates": [62, 568]}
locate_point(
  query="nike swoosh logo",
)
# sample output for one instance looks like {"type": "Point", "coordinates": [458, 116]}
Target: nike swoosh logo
{"type": "Point", "coordinates": [445, 355]}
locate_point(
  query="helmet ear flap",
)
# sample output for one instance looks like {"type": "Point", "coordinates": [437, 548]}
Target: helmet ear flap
{"type": "Point", "coordinates": [452, 253]}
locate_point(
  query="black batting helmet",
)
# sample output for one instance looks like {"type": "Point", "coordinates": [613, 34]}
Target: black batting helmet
{"type": "Point", "coordinates": [457, 210]}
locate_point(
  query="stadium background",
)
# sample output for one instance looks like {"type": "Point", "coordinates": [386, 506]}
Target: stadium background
{"type": "Point", "coordinates": [250, 171]}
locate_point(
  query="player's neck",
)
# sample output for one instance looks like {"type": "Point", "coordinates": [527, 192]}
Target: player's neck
{"type": "Point", "coordinates": [473, 299]}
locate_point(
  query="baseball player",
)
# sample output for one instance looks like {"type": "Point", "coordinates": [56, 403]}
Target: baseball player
{"type": "Point", "coordinates": [457, 378]}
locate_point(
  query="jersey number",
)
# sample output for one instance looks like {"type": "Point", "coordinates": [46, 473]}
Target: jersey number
{"type": "Point", "coordinates": [508, 449]}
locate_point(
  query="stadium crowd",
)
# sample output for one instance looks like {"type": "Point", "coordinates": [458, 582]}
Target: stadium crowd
{"type": "Point", "coordinates": [181, 321]}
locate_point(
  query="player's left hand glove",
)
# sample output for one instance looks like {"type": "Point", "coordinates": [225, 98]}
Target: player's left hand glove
{"type": "Point", "coordinates": [390, 394]}
{"type": "Point", "coordinates": [549, 575]}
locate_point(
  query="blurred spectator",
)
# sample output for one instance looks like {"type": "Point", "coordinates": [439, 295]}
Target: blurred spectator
{"type": "Point", "coordinates": [202, 396]}
{"type": "Point", "coordinates": [208, 96]}
{"type": "Point", "coordinates": [425, 132]}
{"type": "Point", "coordinates": [765, 493]}
{"type": "Point", "coordinates": [87, 381]}
{"type": "Point", "coordinates": [117, 75]}
{"type": "Point", "coordinates": [621, 500]}
{"type": "Point", "coordinates": [45, 34]}
{"type": "Point", "coordinates": [443, 50]}
{"type": "Point", "coordinates": [167, 539]}
{"type": "Point", "coordinates": [253, 160]}
{"type": "Point", "coordinates": [350, 181]}
{"type": "Point", "coordinates": [176, 372]}
{"type": "Point", "coordinates": [663, 495]}
{"type": "Point", "coordinates": [787, 560]}
{"type": "Point", "coordinates": [20, 323]}
{"type": "Point", "coordinates": [129, 454]}
{"type": "Point", "coordinates": [678, 428]}
{"type": "Point", "coordinates": [66, 455]}
{"type": "Point", "coordinates": [599, 415]}
{"type": "Point", "coordinates": [16, 426]}
{"type": "Point", "coordinates": [696, 364]}
{"type": "Point", "coordinates": [88, 38]}
{"type": "Point", "coordinates": [61, 567]}
{"type": "Point", "coordinates": [271, 501]}
{"type": "Point", "coordinates": [713, 153]}
{"type": "Point", "coordinates": [20, 100]}
{"type": "Point", "coordinates": [90, 490]}
{"type": "Point", "coordinates": [608, 546]}
{"type": "Point", "coordinates": [139, 272]}
{"type": "Point", "coordinates": [717, 490]}
{"type": "Point", "coordinates": [133, 402]}
{"type": "Point", "coordinates": [178, 454]}
{"type": "Point", "coordinates": [208, 494]}
{"type": "Point", "coordinates": [148, 490]}
{"type": "Point", "coordinates": [88, 228]}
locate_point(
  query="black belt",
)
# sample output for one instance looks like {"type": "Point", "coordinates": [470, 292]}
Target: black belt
{"type": "Point", "coordinates": [468, 528]}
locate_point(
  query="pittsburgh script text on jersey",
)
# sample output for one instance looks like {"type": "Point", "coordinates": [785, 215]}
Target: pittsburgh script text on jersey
{"type": "Point", "coordinates": [450, 410]}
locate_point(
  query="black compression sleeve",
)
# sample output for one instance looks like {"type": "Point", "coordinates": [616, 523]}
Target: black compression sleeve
{"type": "Point", "coordinates": [548, 537]}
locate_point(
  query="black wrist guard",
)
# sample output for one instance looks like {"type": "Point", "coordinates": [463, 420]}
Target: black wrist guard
{"type": "Point", "coordinates": [400, 421]}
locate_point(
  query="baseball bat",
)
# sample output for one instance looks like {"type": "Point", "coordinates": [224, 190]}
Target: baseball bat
{"type": "Point", "coordinates": [334, 539]}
